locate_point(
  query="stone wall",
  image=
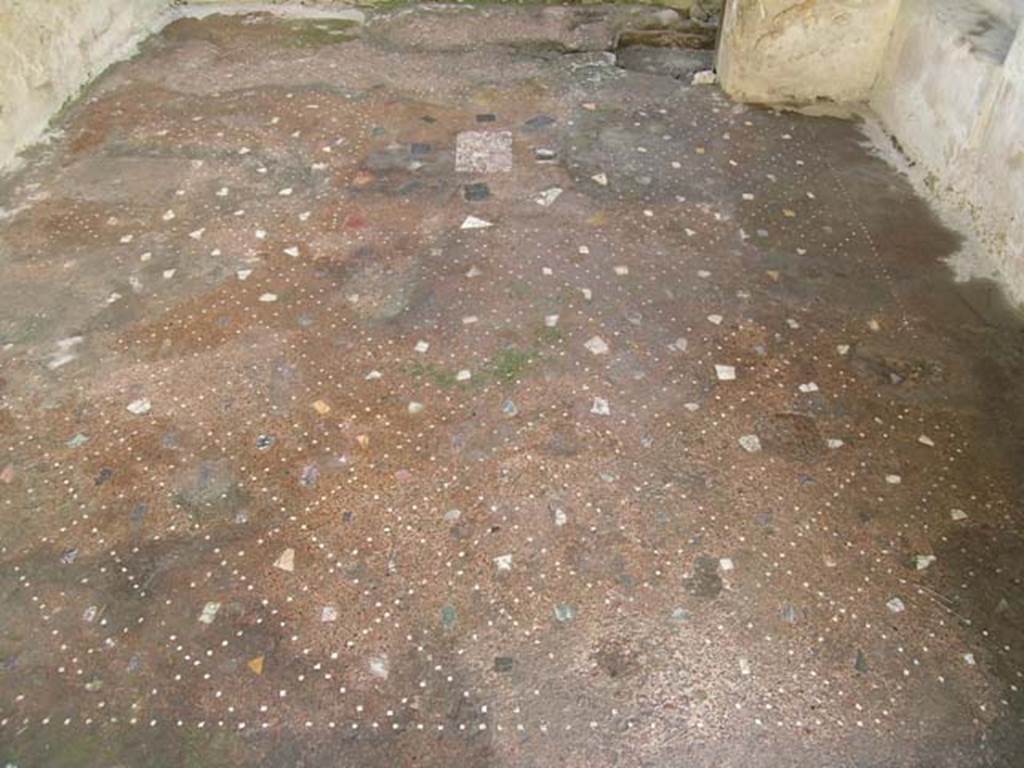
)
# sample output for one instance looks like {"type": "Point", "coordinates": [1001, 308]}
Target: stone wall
{"type": "Point", "coordinates": [50, 48]}
{"type": "Point", "coordinates": [781, 51]}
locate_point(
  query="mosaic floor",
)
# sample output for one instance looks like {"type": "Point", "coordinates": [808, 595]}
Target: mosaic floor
{"type": "Point", "coordinates": [454, 389]}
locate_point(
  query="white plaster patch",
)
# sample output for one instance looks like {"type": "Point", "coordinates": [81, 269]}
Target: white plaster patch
{"type": "Point", "coordinates": [140, 406]}
{"type": "Point", "coordinates": [379, 666]}
{"type": "Point", "coordinates": [750, 443]}
{"type": "Point", "coordinates": [725, 372]}
{"type": "Point", "coordinates": [209, 613]}
{"type": "Point", "coordinates": [473, 222]}
{"type": "Point", "coordinates": [548, 196]}
{"type": "Point", "coordinates": [286, 560]}
{"type": "Point", "coordinates": [483, 152]}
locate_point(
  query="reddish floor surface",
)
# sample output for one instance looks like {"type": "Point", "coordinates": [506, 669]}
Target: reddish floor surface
{"type": "Point", "coordinates": [367, 399]}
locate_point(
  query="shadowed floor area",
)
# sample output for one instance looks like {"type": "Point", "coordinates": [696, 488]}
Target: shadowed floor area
{"type": "Point", "coordinates": [448, 390]}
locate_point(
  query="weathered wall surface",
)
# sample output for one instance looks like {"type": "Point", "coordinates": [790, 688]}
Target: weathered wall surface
{"type": "Point", "coordinates": [795, 51]}
{"type": "Point", "coordinates": [49, 49]}
{"type": "Point", "coordinates": [952, 93]}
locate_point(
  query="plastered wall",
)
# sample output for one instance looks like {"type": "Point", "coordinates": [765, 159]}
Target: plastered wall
{"type": "Point", "coordinates": [951, 90]}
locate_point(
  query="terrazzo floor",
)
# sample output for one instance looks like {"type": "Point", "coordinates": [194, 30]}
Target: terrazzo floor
{"type": "Point", "coordinates": [452, 388]}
